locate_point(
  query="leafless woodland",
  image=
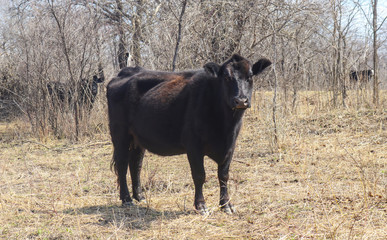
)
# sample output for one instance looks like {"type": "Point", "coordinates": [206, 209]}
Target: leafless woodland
{"type": "Point", "coordinates": [314, 45]}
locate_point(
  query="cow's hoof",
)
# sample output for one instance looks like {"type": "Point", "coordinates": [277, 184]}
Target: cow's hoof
{"type": "Point", "coordinates": [127, 203]}
{"type": "Point", "coordinates": [203, 212]}
{"type": "Point", "coordinates": [229, 209]}
{"type": "Point", "coordinates": [202, 209]}
{"type": "Point", "coordinates": [139, 197]}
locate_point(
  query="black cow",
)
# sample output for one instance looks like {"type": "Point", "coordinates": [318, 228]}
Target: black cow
{"type": "Point", "coordinates": [59, 90]}
{"type": "Point", "coordinates": [361, 77]}
{"type": "Point", "coordinates": [88, 90]}
{"type": "Point", "coordinates": [197, 112]}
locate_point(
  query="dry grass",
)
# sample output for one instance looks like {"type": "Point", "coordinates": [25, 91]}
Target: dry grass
{"type": "Point", "coordinates": [327, 180]}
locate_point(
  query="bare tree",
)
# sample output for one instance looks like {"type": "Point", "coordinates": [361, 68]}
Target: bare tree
{"type": "Point", "coordinates": [375, 51]}
{"type": "Point", "coordinates": [375, 44]}
{"type": "Point", "coordinates": [137, 32]}
{"type": "Point", "coordinates": [54, 46]}
{"type": "Point", "coordinates": [184, 3]}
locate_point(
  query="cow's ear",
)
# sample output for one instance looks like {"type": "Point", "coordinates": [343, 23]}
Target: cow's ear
{"type": "Point", "coordinates": [259, 66]}
{"type": "Point", "coordinates": [236, 58]}
{"type": "Point", "coordinates": [212, 69]}
{"type": "Point", "coordinates": [97, 80]}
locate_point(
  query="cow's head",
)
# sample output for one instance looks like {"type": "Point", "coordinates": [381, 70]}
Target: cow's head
{"type": "Point", "coordinates": [94, 84]}
{"type": "Point", "coordinates": [236, 79]}
{"type": "Point", "coordinates": [89, 89]}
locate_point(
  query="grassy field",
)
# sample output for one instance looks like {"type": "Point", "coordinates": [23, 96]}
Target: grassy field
{"type": "Point", "coordinates": [326, 180]}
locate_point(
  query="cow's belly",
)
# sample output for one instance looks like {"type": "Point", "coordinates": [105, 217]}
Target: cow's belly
{"type": "Point", "coordinates": [162, 149]}
{"type": "Point", "coordinates": [159, 144]}
{"type": "Point", "coordinates": [159, 132]}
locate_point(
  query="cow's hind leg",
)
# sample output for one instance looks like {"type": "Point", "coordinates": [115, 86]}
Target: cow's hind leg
{"type": "Point", "coordinates": [136, 155]}
{"type": "Point", "coordinates": [120, 163]}
{"type": "Point", "coordinates": [223, 178]}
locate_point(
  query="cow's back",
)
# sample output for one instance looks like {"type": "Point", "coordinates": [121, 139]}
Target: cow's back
{"type": "Point", "coordinates": [137, 92]}
{"type": "Point", "coordinates": [160, 111]}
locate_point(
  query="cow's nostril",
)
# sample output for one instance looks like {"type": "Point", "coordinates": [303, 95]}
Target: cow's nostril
{"type": "Point", "coordinates": [241, 102]}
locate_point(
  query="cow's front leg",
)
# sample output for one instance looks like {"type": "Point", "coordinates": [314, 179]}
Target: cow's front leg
{"type": "Point", "coordinates": [225, 204]}
{"type": "Point", "coordinates": [199, 176]}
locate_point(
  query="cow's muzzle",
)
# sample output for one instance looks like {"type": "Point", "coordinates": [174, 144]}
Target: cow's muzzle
{"type": "Point", "coordinates": [241, 103]}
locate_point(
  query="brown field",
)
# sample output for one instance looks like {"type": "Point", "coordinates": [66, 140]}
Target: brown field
{"type": "Point", "coordinates": [327, 180]}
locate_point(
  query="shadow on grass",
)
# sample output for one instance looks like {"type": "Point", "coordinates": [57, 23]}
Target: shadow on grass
{"type": "Point", "coordinates": [136, 217]}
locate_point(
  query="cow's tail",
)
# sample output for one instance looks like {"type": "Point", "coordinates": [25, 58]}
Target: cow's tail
{"type": "Point", "coordinates": [116, 91]}
{"type": "Point", "coordinates": [114, 168]}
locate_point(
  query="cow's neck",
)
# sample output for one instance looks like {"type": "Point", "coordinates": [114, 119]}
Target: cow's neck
{"type": "Point", "coordinates": [231, 119]}
{"type": "Point", "coordinates": [230, 123]}
{"type": "Point", "coordinates": [228, 119]}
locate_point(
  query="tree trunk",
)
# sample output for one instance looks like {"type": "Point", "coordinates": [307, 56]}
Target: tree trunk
{"type": "Point", "coordinates": [136, 47]}
{"type": "Point", "coordinates": [178, 35]}
{"type": "Point", "coordinates": [274, 112]}
{"type": "Point", "coordinates": [375, 57]}
{"type": "Point", "coordinates": [121, 54]}
{"type": "Point", "coordinates": [335, 55]}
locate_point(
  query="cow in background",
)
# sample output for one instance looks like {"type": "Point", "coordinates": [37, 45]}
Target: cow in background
{"type": "Point", "coordinates": [87, 91]}
{"type": "Point", "coordinates": [361, 78]}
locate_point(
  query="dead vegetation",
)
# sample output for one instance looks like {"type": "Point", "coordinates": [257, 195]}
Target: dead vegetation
{"type": "Point", "coordinates": [327, 180]}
